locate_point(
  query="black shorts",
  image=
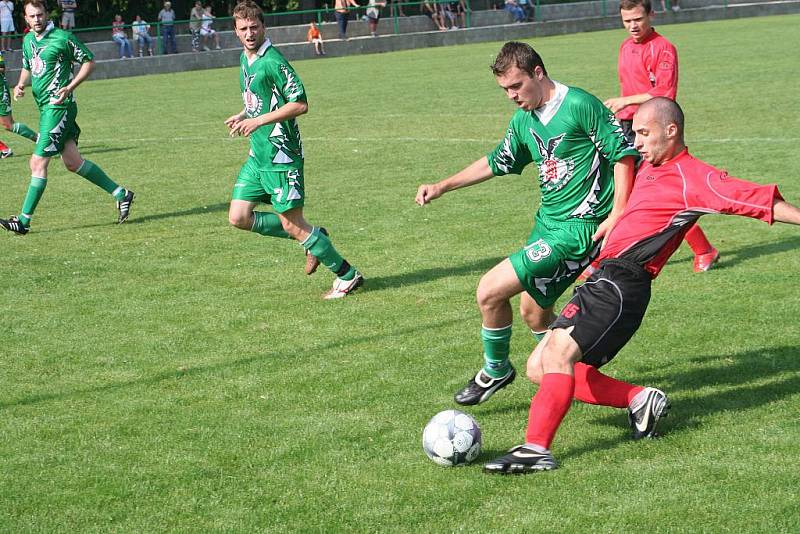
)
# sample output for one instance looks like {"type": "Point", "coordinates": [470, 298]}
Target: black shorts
{"type": "Point", "coordinates": [607, 310]}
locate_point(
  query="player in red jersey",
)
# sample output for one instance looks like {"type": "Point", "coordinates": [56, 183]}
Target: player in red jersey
{"type": "Point", "coordinates": [672, 190]}
{"type": "Point", "coordinates": [648, 67]}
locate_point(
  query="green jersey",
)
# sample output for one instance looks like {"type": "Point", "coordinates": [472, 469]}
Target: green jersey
{"type": "Point", "coordinates": [575, 141]}
{"type": "Point", "coordinates": [5, 94]}
{"type": "Point", "coordinates": [268, 82]}
{"type": "Point", "coordinates": [49, 58]}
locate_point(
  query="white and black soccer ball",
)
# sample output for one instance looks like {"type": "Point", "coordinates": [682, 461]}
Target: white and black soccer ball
{"type": "Point", "coordinates": [452, 438]}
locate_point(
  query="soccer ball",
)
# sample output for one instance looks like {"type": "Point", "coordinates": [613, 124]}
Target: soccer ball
{"type": "Point", "coordinates": [452, 438]}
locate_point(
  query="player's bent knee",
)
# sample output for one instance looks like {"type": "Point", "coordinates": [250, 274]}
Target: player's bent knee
{"type": "Point", "coordinates": [240, 220]}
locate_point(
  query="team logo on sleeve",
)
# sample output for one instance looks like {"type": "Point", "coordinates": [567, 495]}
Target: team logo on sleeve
{"type": "Point", "coordinates": [252, 102]}
{"type": "Point", "coordinates": [38, 65]}
{"type": "Point", "coordinates": [504, 158]}
{"type": "Point", "coordinates": [554, 173]}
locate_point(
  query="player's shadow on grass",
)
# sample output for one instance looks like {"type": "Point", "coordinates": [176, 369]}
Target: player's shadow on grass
{"type": "Point", "coordinates": [104, 149]}
{"type": "Point", "coordinates": [214, 208]}
{"type": "Point", "coordinates": [729, 258]}
{"type": "Point", "coordinates": [716, 383]}
{"type": "Point", "coordinates": [146, 218]}
{"type": "Point", "coordinates": [379, 283]}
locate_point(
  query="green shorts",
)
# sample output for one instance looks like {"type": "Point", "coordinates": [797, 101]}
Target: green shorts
{"type": "Point", "coordinates": [554, 255]}
{"type": "Point", "coordinates": [283, 189]}
{"type": "Point", "coordinates": [5, 98]}
{"type": "Point", "coordinates": [56, 127]}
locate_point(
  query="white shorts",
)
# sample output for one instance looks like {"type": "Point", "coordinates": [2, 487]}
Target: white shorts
{"type": "Point", "coordinates": [7, 25]}
{"type": "Point", "coordinates": [209, 31]}
{"type": "Point", "coordinates": [68, 20]}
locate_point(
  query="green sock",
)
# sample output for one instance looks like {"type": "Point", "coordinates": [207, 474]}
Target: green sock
{"type": "Point", "coordinates": [24, 131]}
{"type": "Point", "coordinates": [266, 223]}
{"type": "Point", "coordinates": [320, 246]}
{"type": "Point", "coordinates": [95, 174]}
{"type": "Point", "coordinates": [538, 335]}
{"type": "Point", "coordinates": [35, 192]}
{"type": "Point", "coordinates": [496, 343]}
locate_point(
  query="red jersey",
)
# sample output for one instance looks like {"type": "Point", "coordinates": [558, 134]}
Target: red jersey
{"type": "Point", "coordinates": [668, 199]}
{"type": "Point", "coordinates": [647, 67]}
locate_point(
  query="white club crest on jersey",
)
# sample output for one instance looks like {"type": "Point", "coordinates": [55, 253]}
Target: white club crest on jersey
{"type": "Point", "coordinates": [252, 102]}
{"type": "Point", "coordinates": [38, 65]}
{"type": "Point", "coordinates": [554, 173]}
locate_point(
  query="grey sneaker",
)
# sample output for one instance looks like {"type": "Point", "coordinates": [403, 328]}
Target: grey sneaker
{"type": "Point", "coordinates": [519, 460]}
{"type": "Point", "coordinates": [644, 411]}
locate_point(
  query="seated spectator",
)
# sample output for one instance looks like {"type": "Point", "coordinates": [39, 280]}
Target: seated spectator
{"type": "Point", "coordinates": [118, 36]}
{"type": "Point", "coordinates": [460, 10]}
{"type": "Point", "coordinates": [527, 8]}
{"type": "Point", "coordinates": [195, 23]}
{"type": "Point", "coordinates": [516, 11]}
{"type": "Point", "coordinates": [206, 31]}
{"type": "Point", "coordinates": [315, 38]}
{"type": "Point", "coordinates": [432, 12]}
{"type": "Point", "coordinates": [447, 15]}
{"type": "Point", "coordinates": [141, 32]}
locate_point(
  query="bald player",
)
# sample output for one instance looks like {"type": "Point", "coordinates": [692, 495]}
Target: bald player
{"type": "Point", "coordinates": [671, 191]}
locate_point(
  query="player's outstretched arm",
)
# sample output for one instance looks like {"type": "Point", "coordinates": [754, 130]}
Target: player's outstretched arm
{"type": "Point", "coordinates": [479, 171]}
{"type": "Point", "coordinates": [784, 212]}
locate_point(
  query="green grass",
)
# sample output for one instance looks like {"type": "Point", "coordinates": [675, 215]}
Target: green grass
{"type": "Point", "coordinates": [177, 374]}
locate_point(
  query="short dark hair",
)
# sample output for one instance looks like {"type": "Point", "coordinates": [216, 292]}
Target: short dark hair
{"type": "Point", "coordinates": [520, 55]}
{"type": "Point", "coordinates": [666, 111]}
{"type": "Point", "coordinates": [35, 3]}
{"type": "Point", "coordinates": [248, 10]}
{"type": "Point", "coordinates": [632, 4]}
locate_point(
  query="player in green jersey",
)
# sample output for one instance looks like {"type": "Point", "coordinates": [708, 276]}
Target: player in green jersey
{"type": "Point", "coordinates": [585, 177]}
{"type": "Point", "coordinates": [274, 97]}
{"type": "Point", "coordinates": [6, 118]}
{"type": "Point", "coordinates": [47, 57]}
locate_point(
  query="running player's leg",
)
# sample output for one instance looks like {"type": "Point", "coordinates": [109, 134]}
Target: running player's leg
{"type": "Point", "coordinates": [21, 223]}
{"type": "Point", "coordinates": [536, 317]}
{"type": "Point", "coordinates": [316, 242]}
{"type": "Point", "coordinates": [494, 293]}
{"type": "Point", "coordinates": [90, 171]}
{"type": "Point", "coordinates": [705, 255]}
{"type": "Point", "coordinates": [7, 122]}
{"type": "Point", "coordinates": [248, 192]}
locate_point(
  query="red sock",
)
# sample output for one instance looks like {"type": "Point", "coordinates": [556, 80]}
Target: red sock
{"type": "Point", "coordinates": [593, 387]}
{"type": "Point", "coordinates": [697, 240]}
{"type": "Point", "coordinates": [548, 408]}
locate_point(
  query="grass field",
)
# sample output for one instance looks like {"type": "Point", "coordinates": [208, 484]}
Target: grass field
{"type": "Point", "coordinates": [174, 373]}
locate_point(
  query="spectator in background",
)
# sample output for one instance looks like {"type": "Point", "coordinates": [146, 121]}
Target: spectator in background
{"type": "Point", "coordinates": [447, 15]}
{"type": "Point", "coordinates": [432, 13]}
{"type": "Point", "coordinates": [206, 31]}
{"type": "Point", "coordinates": [6, 24]}
{"type": "Point", "coordinates": [315, 38]}
{"type": "Point", "coordinates": [167, 19]}
{"type": "Point", "coordinates": [141, 32]}
{"type": "Point", "coordinates": [527, 8]}
{"type": "Point", "coordinates": [68, 8]}
{"type": "Point", "coordinates": [119, 36]}
{"type": "Point", "coordinates": [459, 8]}
{"type": "Point", "coordinates": [195, 23]}
{"type": "Point", "coordinates": [342, 15]}
{"type": "Point", "coordinates": [513, 7]}
{"type": "Point", "coordinates": [374, 15]}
